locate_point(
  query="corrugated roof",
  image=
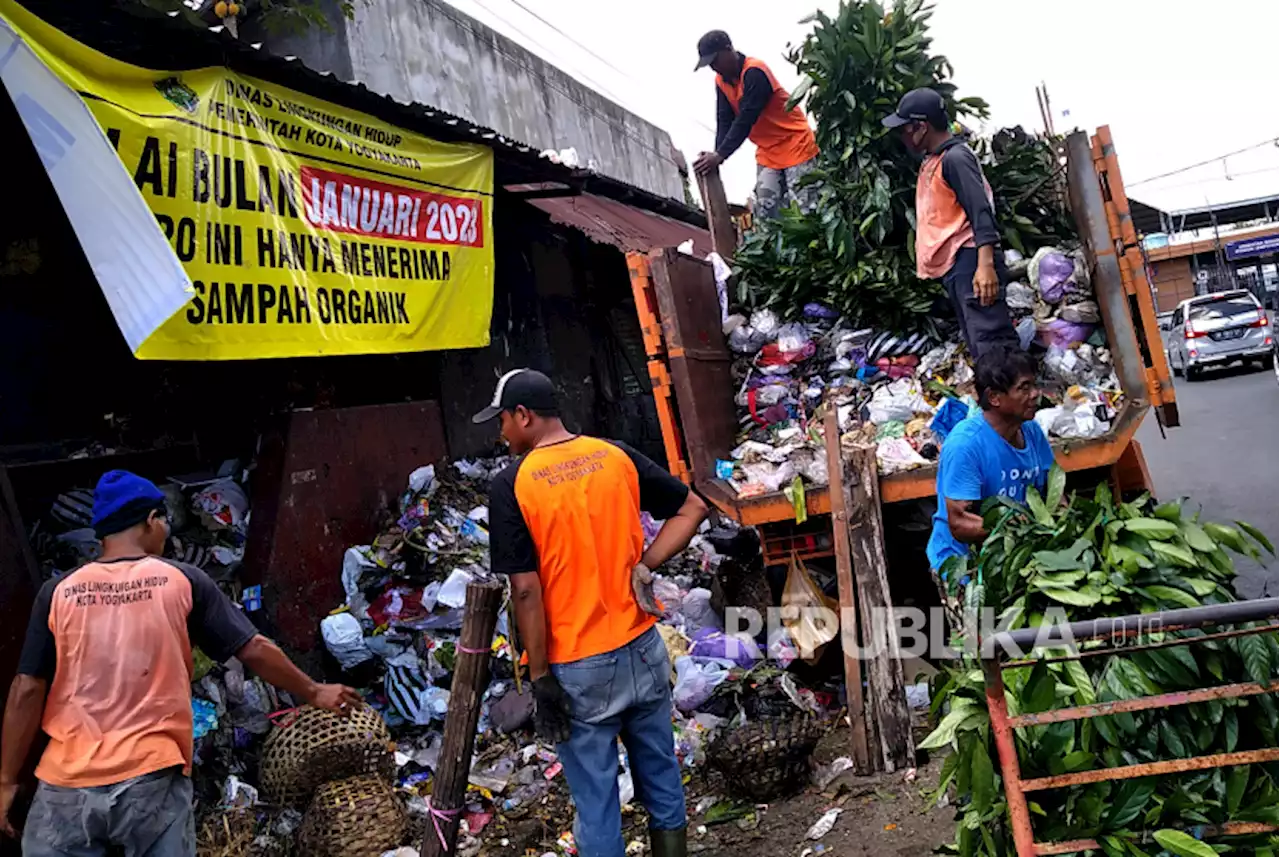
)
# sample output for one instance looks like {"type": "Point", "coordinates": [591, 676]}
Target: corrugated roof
{"type": "Point", "coordinates": [626, 227]}
{"type": "Point", "coordinates": [175, 42]}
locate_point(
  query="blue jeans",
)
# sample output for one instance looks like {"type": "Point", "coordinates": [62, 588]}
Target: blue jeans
{"type": "Point", "coordinates": [627, 693]}
{"type": "Point", "coordinates": [150, 816]}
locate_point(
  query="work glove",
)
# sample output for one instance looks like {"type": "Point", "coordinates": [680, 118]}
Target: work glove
{"type": "Point", "coordinates": [642, 586]}
{"type": "Point", "coordinates": [551, 710]}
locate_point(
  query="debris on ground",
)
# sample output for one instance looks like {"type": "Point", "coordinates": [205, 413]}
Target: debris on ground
{"type": "Point", "coordinates": [744, 728]}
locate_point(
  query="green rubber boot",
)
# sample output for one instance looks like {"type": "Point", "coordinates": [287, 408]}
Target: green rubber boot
{"type": "Point", "coordinates": [668, 843]}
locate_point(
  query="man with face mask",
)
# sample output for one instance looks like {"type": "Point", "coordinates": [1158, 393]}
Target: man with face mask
{"type": "Point", "coordinates": [564, 524]}
{"type": "Point", "coordinates": [957, 239]}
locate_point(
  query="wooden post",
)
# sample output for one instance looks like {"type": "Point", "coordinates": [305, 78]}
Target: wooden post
{"type": "Point", "coordinates": [862, 761]}
{"type": "Point", "coordinates": [885, 683]}
{"type": "Point", "coordinates": [470, 678]}
{"type": "Point", "coordinates": [724, 238]}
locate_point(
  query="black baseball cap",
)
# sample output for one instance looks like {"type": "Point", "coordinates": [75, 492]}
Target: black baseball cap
{"type": "Point", "coordinates": [526, 387]}
{"type": "Point", "coordinates": [711, 44]}
{"type": "Point", "coordinates": [918, 105]}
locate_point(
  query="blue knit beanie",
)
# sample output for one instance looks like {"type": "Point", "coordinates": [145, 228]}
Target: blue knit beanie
{"type": "Point", "coordinates": [122, 500]}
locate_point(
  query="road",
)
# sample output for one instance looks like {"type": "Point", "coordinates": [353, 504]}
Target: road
{"type": "Point", "coordinates": [1224, 457]}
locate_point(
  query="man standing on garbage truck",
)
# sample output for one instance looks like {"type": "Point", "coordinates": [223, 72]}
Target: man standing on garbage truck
{"type": "Point", "coordinates": [565, 526]}
{"type": "Point", "coordinates": [957, 239]}
{"type": "Point", "coordinates": [106, 672]}
{"type": "Point", "coordinates": [996, 453]}
{"type": "Point", "coordinates": [751, 104]}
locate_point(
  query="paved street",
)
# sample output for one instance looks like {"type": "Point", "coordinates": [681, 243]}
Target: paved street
{"type": "Point", "coordinates": [1224, 456]}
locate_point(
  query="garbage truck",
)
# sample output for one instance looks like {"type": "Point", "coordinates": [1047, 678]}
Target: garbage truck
{"type": "Point", "coordinates": [689, 361]}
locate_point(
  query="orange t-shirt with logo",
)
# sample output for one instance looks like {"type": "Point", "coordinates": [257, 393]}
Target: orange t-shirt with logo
{"type": "Point", "coordinates": [570, 512]}
{"type": "Point", "coordinates": [114, 640]}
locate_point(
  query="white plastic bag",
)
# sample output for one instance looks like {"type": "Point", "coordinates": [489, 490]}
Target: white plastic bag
{"type": "Point", "coordinates": [222, 505]}
{"type": "Point", "coordinates": [896, 454]}
{"type": "Point", "coordinates": [695, 682]}
{"type": "Point", "coordinates": [454, 591]}
{"type": "Point", "coordinates": [1020, 297]}
{"type": "Point", "coordinates": [698, 612]}
{"type": "Point", "coordinates": [344, 638]}
{"type": "Point", "coordinates": [901, 400]}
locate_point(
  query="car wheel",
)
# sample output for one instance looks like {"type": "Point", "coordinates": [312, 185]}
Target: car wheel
{"type": "Point", "coordinates": [1177, 370]}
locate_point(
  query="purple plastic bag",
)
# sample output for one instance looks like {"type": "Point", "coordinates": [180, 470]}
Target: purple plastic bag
{"type": "Point", "coordinates": [1063, 334]}
{"type": "Point", "coordinates": [1055, 273]}
{"type": "Point", "coordinates": [819, 311]}
{"type": "Point", "coordinates": [709, 643]}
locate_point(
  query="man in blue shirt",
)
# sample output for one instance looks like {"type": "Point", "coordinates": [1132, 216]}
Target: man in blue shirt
{"type": "Point", "coordinates": [996, 453]}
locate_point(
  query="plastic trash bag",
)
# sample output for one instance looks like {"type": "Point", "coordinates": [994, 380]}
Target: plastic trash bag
{"type": "Point", "coordinates": [1020, 297]}
{"type": "Point", "coordinates": [344, 638]}
{"type": "Point", "coordinates": [895, 455]}
{"type": "Point", "coordinates": [413, 697]}
{"type": "Point", "coordinates": [698, 612]}
{"type": "Point", "coordinates": [454, 591]}
{"type": "Point", "coordinates": [709, 643]}
{"type": "Point", "coordinates": [204, 717]}
{"type": "Point", "coordinates": [900, 401]}
{"type": "Point", "coordinates": [808, 624]}
{"type": "Point", "coordinates": [765, 321]}
{"type": "Point", "coordinates": [950, 413]}
{"type": "Point", "coordinates": [1026, 330]}
{"type": "Point", "coordinates": [695, 682]}
{"type": "Point", "coordinates": [722, 274]}
{"type": "Point", "coordinates": [745, 339]}
{"type": "Point", "coordinates": [1061, 333]}
{"type": "Point", "coordinates": [1083, 312]}
{"type": "Point", "coordinates": [1051, 272]}
{"type": "Point", "coordinates": [782, 650]}
{"type": "Point", "coordinates": [222, 505]}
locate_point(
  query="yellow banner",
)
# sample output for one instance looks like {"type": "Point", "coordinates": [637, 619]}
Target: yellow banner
{"type": "Point", "coordinates": [306, 228]}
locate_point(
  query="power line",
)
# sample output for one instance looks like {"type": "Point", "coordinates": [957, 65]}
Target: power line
{"type": "Point", "coordinates": [1274, 141]}
{"type": "Point", "coordinates": [1216, 179]}
{"type": "Point", "coordinates": [590, 52]}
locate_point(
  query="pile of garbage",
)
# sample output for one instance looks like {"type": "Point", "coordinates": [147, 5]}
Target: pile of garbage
{"type": "Point", "coordinates": [395, 637]}
{"type": "Point", "coordinates": [1078, 374]}
{"type": "Point", "coordinates": [903, 393]}
{"type": "Point", "coordinates": [208, 521]}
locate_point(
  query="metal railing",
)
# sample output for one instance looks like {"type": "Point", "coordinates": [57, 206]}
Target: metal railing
{"type": "Point", "coordinates": [1121, 630]}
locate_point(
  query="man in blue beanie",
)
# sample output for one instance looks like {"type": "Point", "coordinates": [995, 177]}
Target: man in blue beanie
{"type": "Point", "coordinates": [106, 672]}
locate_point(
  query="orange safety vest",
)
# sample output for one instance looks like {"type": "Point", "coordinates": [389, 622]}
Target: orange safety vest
{"type": "Point", "coordinates": [783, 137]}
{"type": "Point", "coordinates": [942, 227]}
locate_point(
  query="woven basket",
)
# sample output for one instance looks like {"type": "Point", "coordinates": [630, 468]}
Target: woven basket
{"type": "Point", "coordinates": [766, 758]}
{"type": "Point", "coordinates": [318, 746]}
{"type": "Point", "coordinates": [354, 817]}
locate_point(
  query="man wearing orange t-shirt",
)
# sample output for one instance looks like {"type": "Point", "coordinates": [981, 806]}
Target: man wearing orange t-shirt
{"type": "Point", "coordinates": [565, 526]}
{"type": "Point", "coordinates": [752, 105]}
{"type": "Point", "coordinates": [106, 672]}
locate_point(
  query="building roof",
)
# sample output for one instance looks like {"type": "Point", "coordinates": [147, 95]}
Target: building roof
{"type": "Point", "coordinates": [176, 41]}
{"type": "Point", "coordinates": [1207, 245]}
{"type": "Point", "coordinates": [607, 221]}
{"type": "Point", "coordinates": [1148, 219]}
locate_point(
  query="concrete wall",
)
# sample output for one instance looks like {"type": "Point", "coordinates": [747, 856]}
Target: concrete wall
{"type": "Point", "coordinates": [428, 52]}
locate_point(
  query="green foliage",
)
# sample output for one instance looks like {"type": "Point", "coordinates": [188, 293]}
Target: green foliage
{"type": "Point", "coordinates": [279, 16]}
{"type": "Point", "coordinates": [1090, 557]}
{"type": "Point", "coordinates": [856, 250]}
